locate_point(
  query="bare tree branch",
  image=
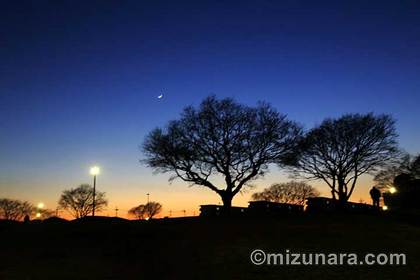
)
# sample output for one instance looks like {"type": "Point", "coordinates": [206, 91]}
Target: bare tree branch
{"type": "Point", "coordinates": [222, 138]}
{"type": "Point", "coordinates": [78, 202]}
{"type": "Point", "coordinates": [292, 192]}
{"type": "Point", "coordinates": [340, 150]}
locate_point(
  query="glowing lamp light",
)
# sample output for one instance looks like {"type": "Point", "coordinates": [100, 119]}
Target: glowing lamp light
{"type": "Point", "coordinates": [392, 190]}
{"type": "Point", "coordinates": [94, 170]}
{"type": "Point", "coordinates": [41, 205]}
{"type": "Point", "coordinates": [384, 207]}
{"type": "Point", "coordinates": [38, 215]}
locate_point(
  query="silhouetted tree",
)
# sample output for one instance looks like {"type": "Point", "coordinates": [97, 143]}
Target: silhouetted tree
{"type": "Point", "coordinates": [407, 164]}
{"type": "Point", "coordinates": [222, 138]}
{"type": "Point", "coordinates": [415, 167]}
{"type": "Point", "coordinates": [292, 192]}
{"type": "Point", "coordinates": [138, 212]}
{"type": "Point", "coordinates": [340, 150]}
{"type": "Point", "coordinates": [148, 210]}
{"type": "Point", "coordinates": [152, 209]}
{"type": "Point", "coordinates": [79, 201]}
{"type": "Point", "coordinates": [15, 210]}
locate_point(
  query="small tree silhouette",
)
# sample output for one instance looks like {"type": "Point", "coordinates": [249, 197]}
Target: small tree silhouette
{"type": "Point", "coordinates": [15, 210]}
{"type": "Point", "coordinates": [78, 202]}
{"type": "Point", "coordinates": [138, 212]}
{"type": "Point", "coordinates": [292, 192]}
{"type": "Point", "coordinates": [148, 210]}
{"type": "Point", "coordinates": [152, 209]}
{"type": "Point", "coordinates": [406, 164]}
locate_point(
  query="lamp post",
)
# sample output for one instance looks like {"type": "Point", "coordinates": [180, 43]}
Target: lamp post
{"type": "Point", "coordinates": [94, 171]}
{"type": "Point", "coordinates": [148, 198]}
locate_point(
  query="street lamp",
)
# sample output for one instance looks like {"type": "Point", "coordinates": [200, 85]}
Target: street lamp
{"type": "Point", "coordinates": [392, 190]}
{"type": "Point", "coordinates": [94, 171]}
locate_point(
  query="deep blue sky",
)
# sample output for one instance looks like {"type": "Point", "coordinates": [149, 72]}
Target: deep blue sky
{"type": "Point", "coordinates": [79, 79]}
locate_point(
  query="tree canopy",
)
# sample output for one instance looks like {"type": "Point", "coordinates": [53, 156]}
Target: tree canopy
{"type": "Point", "coordinates": [222, 138]}
{"type": "Point", "coordinates": [137, 212]}
{"type": "Point", "coordinates": [78, 202]}
{"type": "Point", "coordinates": [291, 192]}
{"type": "Point", "coordinates": [148, 210]}
{"type": "Point", "coordinates": [406, 164]}
{"type": "Point", "coordinates": [340, 150]}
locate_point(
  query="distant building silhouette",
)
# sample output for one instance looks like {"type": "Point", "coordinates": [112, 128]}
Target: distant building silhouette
{"type": "Point", "coordinates": [255, 208]}
{"type": "Point", "coordinates": [268, 208]}
{"type": "Point", "coordinates": [273, 208]}
{"type": "Point", "coordinates": [327, 205]}
{"type": "Point", "coordinates": [212, 210]}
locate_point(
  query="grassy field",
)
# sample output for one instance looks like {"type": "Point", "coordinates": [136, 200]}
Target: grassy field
{"type": "Point", "coordinates": [194, 248]}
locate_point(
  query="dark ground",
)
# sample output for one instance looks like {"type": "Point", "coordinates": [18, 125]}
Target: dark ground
{"type": "Point", "coordinates": [194, 248]}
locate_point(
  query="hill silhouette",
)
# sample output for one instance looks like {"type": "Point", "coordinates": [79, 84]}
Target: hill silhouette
{"type": "Point", "coordinates": [201, 248]}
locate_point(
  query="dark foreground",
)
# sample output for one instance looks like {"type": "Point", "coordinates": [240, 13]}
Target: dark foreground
{"type": "Point", "coordinates": [194, 248]}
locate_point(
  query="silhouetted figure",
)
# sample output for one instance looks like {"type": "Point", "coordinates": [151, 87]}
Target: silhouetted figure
{"type": "Point", "coordinates": [26, 219]}
{"type": "Point", "coordinates": [375, 194]}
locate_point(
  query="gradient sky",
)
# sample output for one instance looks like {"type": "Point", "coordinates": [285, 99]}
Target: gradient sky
{"type": "Point", "coordinates": [79, 82]}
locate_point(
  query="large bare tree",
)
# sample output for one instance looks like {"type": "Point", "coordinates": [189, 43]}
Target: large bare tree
{"type": "Point", "coordinates": [78, 202]}
{"type": "Point", "coordinates": [222, 139]}
{"type": "Point", "coordinates": [291, 192]}
{"type": "Point", "coordinates": [340, 150]}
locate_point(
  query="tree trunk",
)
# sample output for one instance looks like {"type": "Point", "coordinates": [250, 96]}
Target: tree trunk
{"type": "Point", "coordinates": [227, 203]}
{"type": "Point", "coordinates": [342, 199]}
{"type": "Point", "coordinates": [342, 196]}
{"type": "Point", "coordinates": [333, 194]}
